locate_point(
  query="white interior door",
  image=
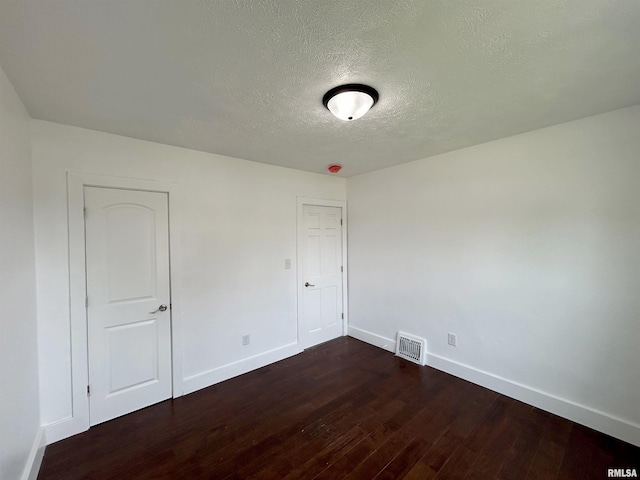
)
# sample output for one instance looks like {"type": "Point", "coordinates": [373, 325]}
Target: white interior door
{"type": "Point", "coordinates": [128, 309]}
{"type": "Point", "coordinates": [320, 315]}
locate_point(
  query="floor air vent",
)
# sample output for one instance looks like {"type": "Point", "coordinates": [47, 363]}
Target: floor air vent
{"type": "Point", "coordinates": [412, 348]}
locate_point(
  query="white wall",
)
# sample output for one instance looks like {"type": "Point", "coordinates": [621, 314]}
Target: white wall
{"type": "Point", "coordinates": [19, 408]}
{"type": "Point", "coordinates": [238, 225]}
{"type": "Point", "coordinates": [527, 248]}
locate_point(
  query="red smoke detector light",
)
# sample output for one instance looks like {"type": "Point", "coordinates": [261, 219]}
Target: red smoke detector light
{"type": "Point", "coordinates": [335, 168]}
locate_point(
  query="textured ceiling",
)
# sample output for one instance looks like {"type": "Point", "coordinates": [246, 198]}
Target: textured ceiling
{"type": "Point", "coordinates": [246, 78]}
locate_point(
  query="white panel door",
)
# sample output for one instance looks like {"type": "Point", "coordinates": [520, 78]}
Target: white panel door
{"type": "Point", "coordinates": [320, 250]}
{"type": "Point", "coordinates": [128, 314]}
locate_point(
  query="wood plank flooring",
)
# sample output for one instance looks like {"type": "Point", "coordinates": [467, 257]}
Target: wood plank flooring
{"type": "Point", "coordinates": [341, 410]}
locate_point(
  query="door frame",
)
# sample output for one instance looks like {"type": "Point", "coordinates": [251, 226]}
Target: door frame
{"type": "Point", "coordinates": [301, 202]}
{"type": "Point", "coordinates": [76, 181]}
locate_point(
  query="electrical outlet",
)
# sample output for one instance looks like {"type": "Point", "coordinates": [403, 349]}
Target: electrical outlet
{"type": "Point", "coordinates": [245, 340]}
{"type": "Point", "coordinates": [287, 263]}
{"type": "Point", "coordinates": [451, 339]}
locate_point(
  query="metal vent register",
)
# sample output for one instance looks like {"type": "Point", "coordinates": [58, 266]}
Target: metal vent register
{"type": "Point", "coordinates": [412, 348]}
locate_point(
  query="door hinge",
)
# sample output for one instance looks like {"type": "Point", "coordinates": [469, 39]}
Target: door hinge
{"type": "Point", "coordinates": [86, 302]}
{"type": "Point", "coordinates": [341, 268]}
{"type": "Point", "coordinates": [340, 221]}
{"type": "Point", "coordinates": [84, 212]}
{"type": "Point", "coordinates": [343, 316]}
{"type": "Point", "coordinates": [88, 390]}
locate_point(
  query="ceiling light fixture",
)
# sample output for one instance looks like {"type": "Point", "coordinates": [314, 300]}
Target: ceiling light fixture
{"type": "Point", "coordinates": [350, 102]}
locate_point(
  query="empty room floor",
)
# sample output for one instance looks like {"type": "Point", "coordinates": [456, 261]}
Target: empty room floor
{"type": "Point", "coordinates": [343, 409]}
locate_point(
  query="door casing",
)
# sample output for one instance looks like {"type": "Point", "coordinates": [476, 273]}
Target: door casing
{"type": "Point", "coordinates": [76, 181]}
{"type": "Point", "coordinates": [301, 202]}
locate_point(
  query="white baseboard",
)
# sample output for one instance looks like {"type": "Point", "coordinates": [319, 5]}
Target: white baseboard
{"type": "Point", "coordinates": [225, 372]}
{"type": "Point", "coordinates": [576, 412]}
{"type": "Point", "coordinates": [372, 338]}
{"type": "Point", "coordinates": [64, 428]}
{"type": "Point", "coordinates": [32, 468]}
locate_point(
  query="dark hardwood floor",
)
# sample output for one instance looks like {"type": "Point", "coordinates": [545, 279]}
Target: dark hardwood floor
{"type": "Point", "coordinates": [343, 409]}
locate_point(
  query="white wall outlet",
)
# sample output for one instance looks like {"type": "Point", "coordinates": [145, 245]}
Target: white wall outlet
{"type": "Point", "coordinates": [451, 339]}
{"type": "Point", "coordinates": [287, 263]}
{"type": "Point", "coordinates": [245, 340]}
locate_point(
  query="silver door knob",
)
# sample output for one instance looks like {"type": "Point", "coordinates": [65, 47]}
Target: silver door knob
{"type": "Point", "coordinates": [161, 308]}
{"type": "Point", "coordinates": [307, 284]}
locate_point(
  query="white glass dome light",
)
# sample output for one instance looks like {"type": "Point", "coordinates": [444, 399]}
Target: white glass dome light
{"type": "Point", "coordinates": [350, 102]}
